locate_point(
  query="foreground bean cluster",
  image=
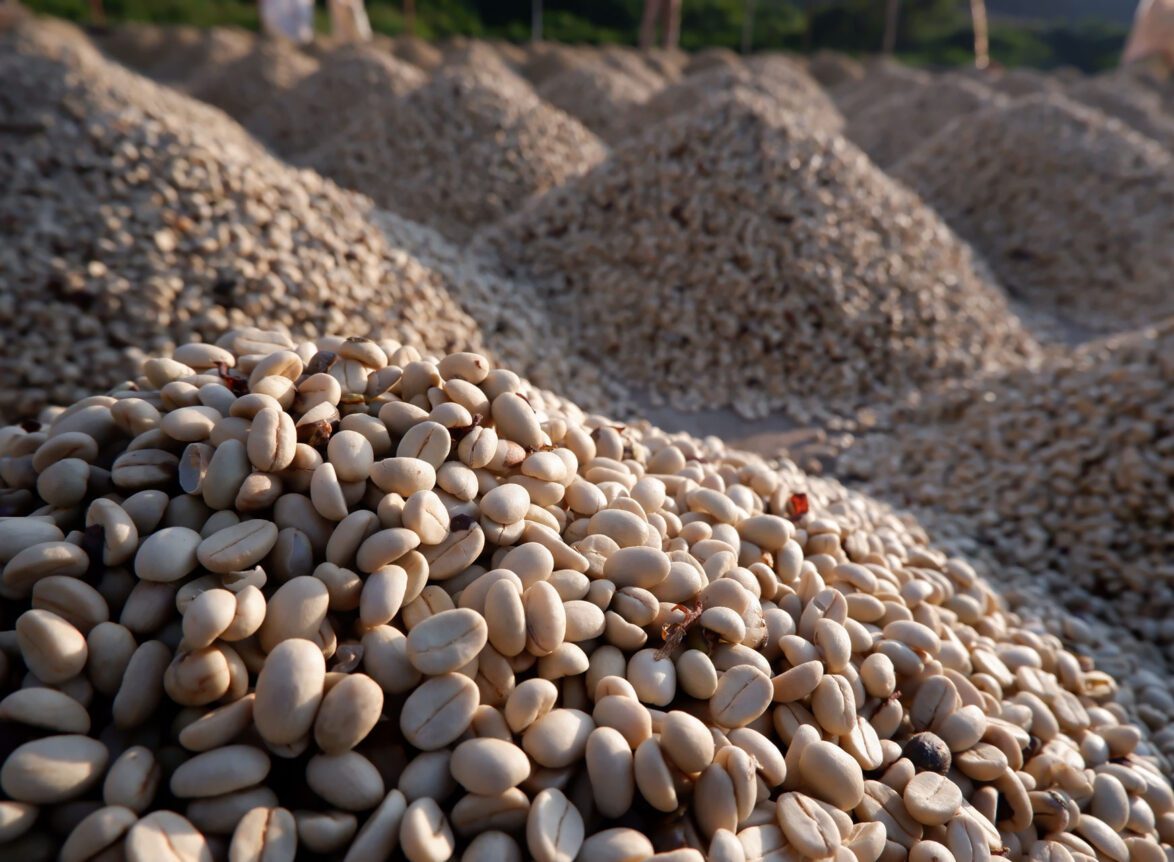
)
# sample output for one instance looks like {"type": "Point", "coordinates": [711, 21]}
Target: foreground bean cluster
{"type": "Point", "coordinates": [336, 598]}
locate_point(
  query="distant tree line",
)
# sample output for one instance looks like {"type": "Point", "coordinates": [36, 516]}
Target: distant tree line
{"type": "Point", "coordinates": [927, 32]}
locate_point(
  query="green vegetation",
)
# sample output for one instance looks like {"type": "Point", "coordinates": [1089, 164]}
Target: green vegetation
{"type": "Point", "coordinates": [931, 32]}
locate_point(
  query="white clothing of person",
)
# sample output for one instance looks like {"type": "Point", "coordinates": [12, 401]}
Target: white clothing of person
{"type": "Point", "coordinates": [288, 19]}
{"type": "Point", "coordinates": [348, 21]}
{"type": "Point", "coordinates": [1152, 33]}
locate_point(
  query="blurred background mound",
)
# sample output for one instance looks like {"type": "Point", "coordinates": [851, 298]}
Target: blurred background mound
{"type": "Point", "coordinates": [733, 255]}
{"type": "Point", "coordinates": [1064, 474]}
{"type": "Point", "coordinates": [1072, 209]}
{"type": "Point", "coordinates": [137, 218]}
{"type": "Point", "coordinates": [464, 150]}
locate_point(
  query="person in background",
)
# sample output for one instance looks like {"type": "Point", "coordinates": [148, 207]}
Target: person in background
{"type": "Point", "coordinates": [348, 21]}
{"type": "Point", "coordinates": [288, 19]}
{"type": "Point", "coordinates": [668, 14]}
{"type": "Point", "coordinates": [1152, 34]}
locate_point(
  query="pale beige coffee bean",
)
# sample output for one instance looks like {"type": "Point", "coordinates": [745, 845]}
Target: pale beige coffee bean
{"type": "Point", "coordinates": [439, 711]}
{"type": "Point", "coordinates": [610, 768]}
{"type": "Point", "coordinates": [425, 515]}
{"type": "Point", "coordinates": [505, 617]}
{"type": "Point", "coordinates": [505, 504]}
{"type": "Point", "coordinates": [110, 648]}
{"type": "Point", "coordinates": [489, 766]}
{"type": "Point", "coordinates": [686, 741]}
{"type": "Point", "coordinates": [96, 832]}
{"type": "Point", "coordinates": [226, 473]}
{"type": "Point", "coordinates": [624, 713]}
{"type": "Point", "coordinates": [207, 617]}
{"type": "Point", "coordinates": [616, 845]}
{"type": "Point", "coordinates": [713, 801]}
{"type": "Point", "coordinates": [219, 726]}
{"type": "Point", "coordinates": [168, 555]}
{"type": "Point", "coordinates": [878, 675]}
{"type": "Point", "coordinates": [493, 846]}
{"type": "Point", "coordinates": [296, 610]}
{"type": "Point", "coordinates": [20, 534]}
{"type": "Point", "coordinates": [696, 674]}
{"type": "Point", "coordinates": [132, 780]}
{"type": "Point", "coordinates": [219, 815]}
{"type": "Point", "coordinates": [190, 424]}
{"type": "Point", "coordinates": [222, 770]}
{"type": "Point", "coordinates": [654, 780]}
{"type": "Point", "coordinates": [348, 781]}
{"type": "Point", "coordinates": [249, 614]}
{"type": "Point", "coordinates": [384, 548]}
{"type": "Point", "coordinates": [265, 835]}
{"type": "Point", "coordinates": [426, 441]}
{"type": "Point", "coordinates": [546, 618]}
{"type": "Point", "coordinates": [554, 828]}
{"type": "Point", "coordinates": [428, 774]}
{"type": "Point", "coordinates": [325, 832]}
{"type": "Point", "coordinates": [515, 419]}
{"type": "Point", "coordinates": [349, 711]}
{"type": "Point", "coordinates": [834, 705]}
{"type": "Point", "coordinates": [198, 677]}
{"type": "Point", "coordinates": [380, 833]}
{"type": "Point", "coordinates": [425, 835]}
{"type": "Point", "coordinates": [47, 708]}
{"type": "Point", "coordinates": [637, 567]}
{"type": "Point", "coordinates": [1102, 838]}
{"type": "Point", "coordinates": [63, 484]}
{"type": "Point", "coordinates": [271, 441]}
{"type": "Point", "coordinates": [385, 660]}
{"type": "Point", "coordinates": [41, 561]}
{"type": "Point", "coordinates": [559, 738]}
{"type": "Point", "coordinates": [381, 596]}
{"type": "Point", "coordinates": [289, 690]}
{"type": "Point", "coordinates": [447, 641]}
{"type": "Point", "coordinates": [16, 818]}
{"type": "Point", "coordinates": [141, 689]}
{"type": "Point", "coordinates": [930, 851]}
{"type": "Point", "coordinates": [932, 799]}
{"type": "Point", "coordinates": [808, 827]}
{"type": "Point", "coordinates": [120, 536]}
{"type": "Point", "coordinates": [798, 682]}
{"type": "Point", "coordinates": [654, 679]}
{"type": "Point", "coordinates": [73, 600]}
{"type": "Point", "coordinates": [138, 469]}
{"type": "Point", "coordinates": [528, 702]}
{"type": "Point", "coordinates": [1110, 801]}
{"type": "Point", "coordinates": [966, 840]}
{"type": "Point", "coordinates": [237, 548]}
{"type": "Point", "coordinates": [352, 456]}
{"type": "Point", "coordinates": [403, 476]}
{"type": "Point", "coordinates": [53, 769]}
{"type": "Point", "coordinates": [936, 700]}
{"type": "Point", "coordinates": [164, 836]}
{"type": "Point", "coordinates": [743, 694]}
{"type": "Point", "coordinates": [52, 649]}
{"type": "Point", "coordinates": [831, 774]}
{"type": "Point", "coordinates": [770, 762]}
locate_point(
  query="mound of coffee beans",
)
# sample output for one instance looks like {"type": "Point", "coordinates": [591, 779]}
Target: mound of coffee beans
{"type": "Point", "coordinates": [337, 599]}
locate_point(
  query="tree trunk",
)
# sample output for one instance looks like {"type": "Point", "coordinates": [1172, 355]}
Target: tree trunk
{"type": "Point", "coordinates": [410, 17]}
{"type": "Point", "coordinates": [535, 20]}
{"type": "Point", "coordinates": [97, 13]}
{"type": "Point", "coordinates": [982, 51]}
{"type": "Point", "coordinates": [648, 23]}
{"type": "Point", "coordinates": [672, 23]}
{"type": "Point", "coordinates": [748, 27]}
{"type": "Point", "coordinates": [892, 8]}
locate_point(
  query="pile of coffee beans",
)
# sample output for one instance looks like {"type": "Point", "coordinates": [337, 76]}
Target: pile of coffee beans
{"type": "Point", "coordinates": [340, 598]}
